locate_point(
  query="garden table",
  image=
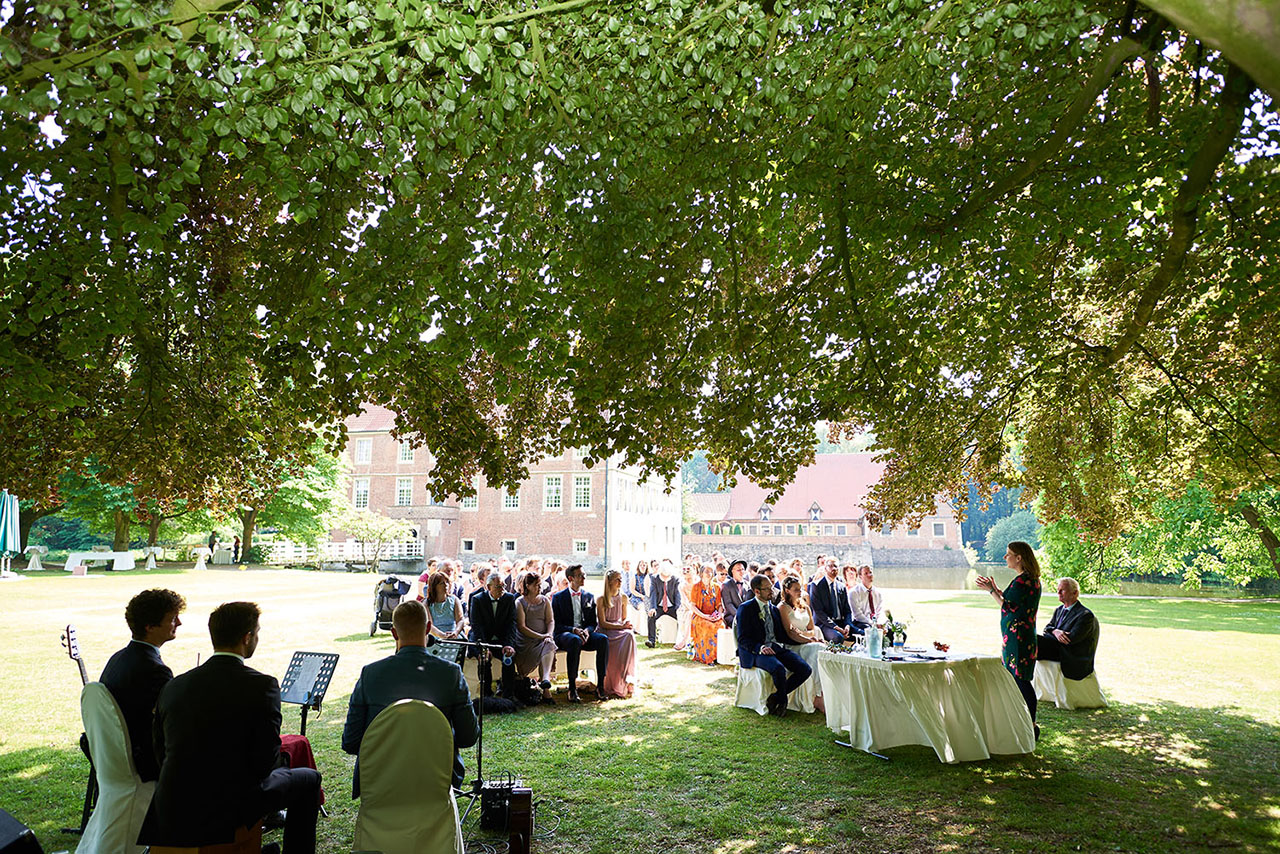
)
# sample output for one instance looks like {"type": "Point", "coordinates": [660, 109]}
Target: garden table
{"type": "Point", "coordinates": [119, 560]}
{"type": "Point", "coordinates": [966, 707]}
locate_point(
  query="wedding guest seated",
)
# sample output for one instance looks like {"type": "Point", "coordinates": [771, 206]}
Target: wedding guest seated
{"type": "Point", "coordinates": [802, 635]}
{"type": "Point", "coordinates": [684, 615]}
{"type": "Point", "coordinates": [447, 622]}
{"type": "Point", "coordinates": [734, 591]}
{"type": "Point", "coordinates": [769, 571]}
{"type": "Point", "coordinates": [410, 674]}
{"type": "Point", "coordinates": [1071, 636]}
{"type": "Point", "coordinates": [866, 602]}
{"type": "Point", "coordinates": [611, 617]}
{"type": "Point", "coordinates": [830, 602]}
{"type": "Point", "coordinates": [704, 604]}
{"type": "Point", "coordinates": [762, 643]}
{"type": "Point", "coordinates": [636, 583]}
{"type": "Point", "coordinates": [664, 599]}
{"type": "Point", "coordinates": [425, 579]}
{"type": "Point", "coordinates": [493, 621]}
{"type": "Point", "coordinates": [535, 640]}
{"type": "Point", "coordinates": [575, 629]}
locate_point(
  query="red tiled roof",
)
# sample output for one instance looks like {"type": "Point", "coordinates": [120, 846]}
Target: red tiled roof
{"type": "Point", "coordinates": [837, 482]}
{"type": "Point", "coordinates": [372, 419]}
{"type": "Point", "coordinates": [710, 506]}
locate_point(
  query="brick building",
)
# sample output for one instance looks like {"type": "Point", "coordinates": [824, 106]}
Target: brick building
{"type": "Point", "coordinates": [593, 516]}
{"type": "Point", "coordinates": [820, 512]}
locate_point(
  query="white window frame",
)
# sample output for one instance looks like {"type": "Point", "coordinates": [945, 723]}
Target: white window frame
{"type": "Point", "coordinates": [828, 530]}
{"type": "Point", "coordinates": [584, 547]}
{"type": "Point", "coordinates": [502, 546]}
{"type": "Point", "coordinates": [913, 532]}
{"type": "Point", "coordinates": [405, 454]}
{"type": "Point", "coordinates": [511, 500]}
{"type": "Point", "coordinates": [357, 492]}
{"type": "Point", "coordinates": [553, 488]}
{"type": "Point", "coordinates": [404, 492]}
{"type": "Point", "coordinates": [579, 481]}
{"type": "Point", "coordinates": [469, 502]}
{"type": "Point", "coordinates": [842, 530]}
{"type": "Point", "coordinates": [364, 452]}
{"type": "Point", "coordinates": [939, 533]}
{"type": "Point", "coordinates": [468, 545]}
{"type": "Point", "coordinates": [791, 529]}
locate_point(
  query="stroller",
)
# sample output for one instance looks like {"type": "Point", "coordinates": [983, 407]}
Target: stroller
{"type": "Point", "coordinates": [387, 594]}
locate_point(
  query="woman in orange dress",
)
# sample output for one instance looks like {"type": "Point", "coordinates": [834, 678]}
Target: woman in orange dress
{"type": "Point", "coordinates": [708, 616]}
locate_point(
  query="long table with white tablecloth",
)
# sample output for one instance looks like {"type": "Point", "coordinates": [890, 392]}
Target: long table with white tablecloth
{"type": "Point", "coordinates": [965, 707]}
{"type": "Point", "coordinates": [119, 560]}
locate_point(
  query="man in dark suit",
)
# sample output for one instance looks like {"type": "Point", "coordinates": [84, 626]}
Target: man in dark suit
{"type": "Point", "coordinates": [664, 599]}
{"type": "Point", "coordinates": [831, 605]}
{"type": "Point", "coordinates": [493, 621]}
{"type": "Point", "coordinates": [217, 738]}
{"type": "Point", "coordinates": [136, 674]}
{"type": "Point", "coordinates": [734, 592]}
{"type": "Point", "coordinates": [410, 674]}
{"type": "Point", "coordinates": [1071, 637]}
{"type": "Point", "coordinates": [574, 611]}
{"type": "Point", "coordinates": [762, 643]}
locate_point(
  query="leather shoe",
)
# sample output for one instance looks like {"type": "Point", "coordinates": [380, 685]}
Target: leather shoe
{"type": "Point", "coordinates": [574, 698]}
{"type": "Point", "coordinates": [650, 644]}
{"type": "Point", "coordinates": [545, 685]}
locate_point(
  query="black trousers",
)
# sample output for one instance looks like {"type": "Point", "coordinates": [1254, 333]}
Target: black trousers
{"type": "Point", "coordinates": [1028, 694]}
{"type": "Point", "coordinates": [573, 647]}
{"type": "Point", "coordinates": [653, 620]}
{"type": "Point", "coordinates": [508, 685]}
{"type": "Point", "coordinates": [296, 790]}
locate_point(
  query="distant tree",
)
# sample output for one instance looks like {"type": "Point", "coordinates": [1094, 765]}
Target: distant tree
{"type": "Point", "coordinates": [832, 441]}
{"type": "Point", "coordinates": [299, 506]}
{"type": "Point", "coordinates": [979, 519]}
{"type": "Point", "coordinates": [374, 531]}
{"type": "Point", "coordinates": [697, 475]}
{"type": "Point", "coordinates": [1022, 525]}
{"type": "Point", "coordinates": [57, 531]}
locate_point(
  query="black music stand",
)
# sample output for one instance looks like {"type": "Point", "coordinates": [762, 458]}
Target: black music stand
{"type": "Point", "coordinates": [306, 681]}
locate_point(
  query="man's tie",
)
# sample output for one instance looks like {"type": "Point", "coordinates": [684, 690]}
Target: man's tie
{"type": "Point", "coordinates": [666, 602]}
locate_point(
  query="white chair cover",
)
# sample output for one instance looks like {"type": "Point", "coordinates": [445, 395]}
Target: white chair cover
{"type": "Point", "coordinates": [666, 629]}
{"type": "Point", "coordinates": [406, 801]}
{"type": "Point", "coordinates": [755, 686]}
{"type": "Point", "coordinates": [1066, 693]}
{"type": "Point", "coordinates": [726, 648]}
{"type": "Point", "coordinates": [122, 797]}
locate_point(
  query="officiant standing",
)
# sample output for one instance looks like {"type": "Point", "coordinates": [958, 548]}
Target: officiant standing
{"type": "Point", "coordinates": [1018, 605]}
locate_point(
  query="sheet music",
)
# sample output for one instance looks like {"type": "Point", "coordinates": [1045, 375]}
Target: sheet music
{"type": "Point", "coordinates": [300, 690]}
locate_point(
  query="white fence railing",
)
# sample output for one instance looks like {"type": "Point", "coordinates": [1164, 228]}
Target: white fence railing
{"type": "Point", "coordinates": [284, 552]}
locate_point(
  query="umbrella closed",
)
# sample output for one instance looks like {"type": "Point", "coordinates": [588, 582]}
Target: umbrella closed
{"type": "Point", "coordinates": [10, 533]}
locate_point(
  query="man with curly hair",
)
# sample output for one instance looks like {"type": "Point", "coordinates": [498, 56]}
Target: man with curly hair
{"type": "Point", "coordinates": [135, 674]}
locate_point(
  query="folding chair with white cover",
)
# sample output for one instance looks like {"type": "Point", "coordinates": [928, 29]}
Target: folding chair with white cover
{"type": "Point", "coordinates": [122, 796]}
{"type": "Point", "coordinates": [1066, 693]}
{"type": "Point", "coordinates": [755, 686]}
{"type": "Point", "coordinates": [667, 629]}
{"type": "Point", "coordinates": [406, 767]}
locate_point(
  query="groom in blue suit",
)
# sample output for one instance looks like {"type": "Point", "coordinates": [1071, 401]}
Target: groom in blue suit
{"type": "Point", "coordinates": [574, 611]}
{"type": "Point", "coordinates": [761, 643]}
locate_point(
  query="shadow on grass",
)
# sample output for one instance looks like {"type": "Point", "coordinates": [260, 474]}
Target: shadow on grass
{"type": "Point", "coordinates": [703, 776]}
{"type": "Point", "coordinates": [1188, 614]}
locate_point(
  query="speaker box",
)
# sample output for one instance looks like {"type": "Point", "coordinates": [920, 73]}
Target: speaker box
{"type": "Point", "coordinates": [16, 837]}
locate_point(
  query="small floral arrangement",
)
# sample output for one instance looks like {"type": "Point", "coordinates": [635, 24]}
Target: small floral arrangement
{"type": "Point", "coordinates": [895, 627]}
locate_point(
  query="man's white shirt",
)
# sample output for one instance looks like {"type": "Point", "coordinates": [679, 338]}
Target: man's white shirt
{"type": "Point", "coordinates": [862, 600]}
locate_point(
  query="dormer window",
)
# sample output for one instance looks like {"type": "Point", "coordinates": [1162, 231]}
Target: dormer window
{"type": "Point", "coordinates": [815, 512]}
{"type": "Point", "coordinates": [765, 510]}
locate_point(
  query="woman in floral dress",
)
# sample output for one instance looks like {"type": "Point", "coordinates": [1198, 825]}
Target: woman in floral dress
{"type": "Point", "coordinates": [708, 616]}
{"type": "Point", "coordinates": [1018, 605]}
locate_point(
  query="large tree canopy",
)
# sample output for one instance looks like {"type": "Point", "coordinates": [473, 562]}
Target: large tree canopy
{"type": "Point", "coordinates": [642, 228]}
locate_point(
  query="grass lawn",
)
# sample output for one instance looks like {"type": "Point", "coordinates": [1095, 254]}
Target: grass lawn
{"type": "Point", "coordinates": [1187, 758]}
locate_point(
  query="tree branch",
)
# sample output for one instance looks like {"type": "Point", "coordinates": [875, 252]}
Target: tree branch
{"type": "Point", "coordinates": [1186, 207]}
{"type": "Point", "coordinates": [1068, 123]}
{"type": "Point", "coordinates": [1268, 537]}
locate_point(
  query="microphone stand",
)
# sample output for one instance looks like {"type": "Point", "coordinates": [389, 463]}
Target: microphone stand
{"type": "Point", "coordinates": [484, 654]}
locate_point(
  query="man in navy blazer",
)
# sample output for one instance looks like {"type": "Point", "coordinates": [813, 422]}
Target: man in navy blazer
{"type": "Point", "coordinates": [217, 737]}
{"type": "Point", "coordinates": [574, 611]}
{"type": "Point", "coordinates": [1071, 637]}
{"type": "Point", "coordinates": [664, 598]}
{"type": "Point", "coordinates": [831, 605]}
{"type": "Point", "coordinates": [493, 621]}
{"type": "Point", "coordinates": [762, 643]}
{"type": "Point", "coordinates": [410, 674]}
{"type": "Point", "coordinates": [136, 674]}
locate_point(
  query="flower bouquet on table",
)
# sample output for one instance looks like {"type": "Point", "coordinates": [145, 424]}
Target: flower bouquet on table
{"type": "Point", "coordinates": [895, 631]}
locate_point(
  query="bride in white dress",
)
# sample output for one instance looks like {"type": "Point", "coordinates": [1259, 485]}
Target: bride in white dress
{"type": "Point", "coordinates": [806, 638]}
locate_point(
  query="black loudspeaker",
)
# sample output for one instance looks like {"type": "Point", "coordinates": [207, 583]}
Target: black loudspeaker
{"type": "Point", "coordinates": [16, 837]}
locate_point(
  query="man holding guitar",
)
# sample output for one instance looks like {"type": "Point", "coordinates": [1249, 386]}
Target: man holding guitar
{"type": "Point", "coordinates": [135, 674]}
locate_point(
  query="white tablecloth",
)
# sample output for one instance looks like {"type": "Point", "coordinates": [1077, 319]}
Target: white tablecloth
{"type": "Point", "coordinates": [966, 708]}
{"type": "Point", "coordinates": [119, 560]}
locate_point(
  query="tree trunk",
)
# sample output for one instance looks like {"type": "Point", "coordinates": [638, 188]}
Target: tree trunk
{"type": "Point", "coordinates": [27, 517]}
{"type": "Point", "coordinates": [153, 529]}
{"type": "Point", "coordinates": [248, 521]}
{"type": "Point", "coordinates": [121, 541]}
{"type": "Point", "coordinates": [1268, 537]}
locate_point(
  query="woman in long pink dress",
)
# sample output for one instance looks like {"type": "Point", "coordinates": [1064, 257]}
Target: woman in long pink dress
{"type": "Point", "coordinates": [611, 618]}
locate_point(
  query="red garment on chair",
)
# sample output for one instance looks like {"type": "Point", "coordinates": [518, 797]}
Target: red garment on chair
{"type": "Point", "coordinates": [297, 749]}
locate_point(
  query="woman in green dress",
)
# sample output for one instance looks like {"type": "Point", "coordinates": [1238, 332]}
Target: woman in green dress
{"type": "Point", "coordinates": [1018, 605]}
